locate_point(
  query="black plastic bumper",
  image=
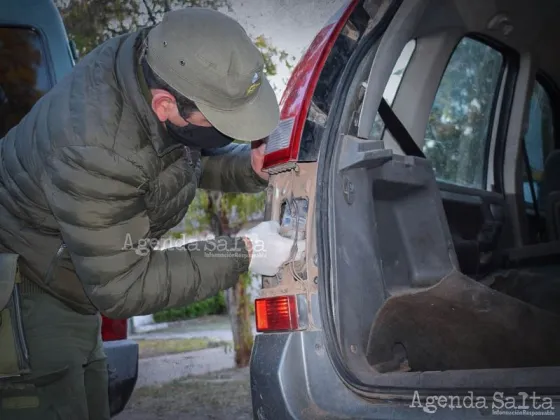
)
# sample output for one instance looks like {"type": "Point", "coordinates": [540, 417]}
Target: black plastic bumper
{"type": "Point", "coordinates": [122, 361]}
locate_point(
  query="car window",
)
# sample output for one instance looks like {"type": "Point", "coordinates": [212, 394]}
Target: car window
{"type": "Point", "coordinates": [539, 140]}
{"type": "Point", "coordinates": [460, 122]}
{"type": "Point", "coordinates": [24, 76]}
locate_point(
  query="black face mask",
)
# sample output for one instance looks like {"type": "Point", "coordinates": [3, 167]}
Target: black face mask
{"type": "Point", "coordinates": [198, 137]}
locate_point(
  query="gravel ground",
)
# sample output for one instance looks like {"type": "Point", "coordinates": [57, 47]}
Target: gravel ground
{"type": "Point", "coordinates": [154, 348]}
{"type": "Point", "coordinates": [164, 369]}
{"type": "Point", "coordinates": [219, 395]}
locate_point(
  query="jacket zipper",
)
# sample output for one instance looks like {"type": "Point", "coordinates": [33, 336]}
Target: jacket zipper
{"type": "Point", "coordinates": [53, 264]}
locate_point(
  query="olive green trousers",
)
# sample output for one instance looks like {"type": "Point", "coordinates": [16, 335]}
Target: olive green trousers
{"type": "Point", "coordinates": [69, 379]}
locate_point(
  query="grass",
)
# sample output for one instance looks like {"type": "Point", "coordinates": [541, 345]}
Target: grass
{"type": "Point", "coordinates": [219, 395]}
{"type": "Point", "coordinates": [151, 348]}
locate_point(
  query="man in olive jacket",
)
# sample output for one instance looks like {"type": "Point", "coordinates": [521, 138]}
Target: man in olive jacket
{"type": "Point", "coordinates": [110, 159]}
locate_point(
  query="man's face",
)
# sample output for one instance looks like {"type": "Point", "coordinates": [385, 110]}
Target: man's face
{"type": "Point", "coordinates": [165, 107]}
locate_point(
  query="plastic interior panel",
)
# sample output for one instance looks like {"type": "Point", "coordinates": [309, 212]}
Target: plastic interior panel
{"type": "Point", "coordinates": [399, 239]}
{"type": "Point", "coordinates": [416, 247]}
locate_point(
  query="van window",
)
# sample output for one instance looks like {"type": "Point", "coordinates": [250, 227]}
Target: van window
{"type": "Point", "coordinates": [539, 140]}
{"type": "Point", "coordinates": [24, 76]}
{"type": "Point", "coordinates": [460, 122]}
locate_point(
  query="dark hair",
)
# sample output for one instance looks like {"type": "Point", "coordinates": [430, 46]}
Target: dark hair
{"type": "Point", "coordinates": [185, 106]}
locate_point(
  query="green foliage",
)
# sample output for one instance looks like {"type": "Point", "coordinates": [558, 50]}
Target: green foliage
{"type": "Point", "coordinates": [243, 206]}
{"type": "Point", "coordinates": [270, 52]}
{"type": "Point", "coordinates": [239, 208]}
{"type": "Point", "coordinates": [197, 218]}
{"type": "Point", "coordinates": [176, 235]}
{"type": "Point", "coordinates": [90, 22]}
{"type": "Point", "coordinates": [215, 305]}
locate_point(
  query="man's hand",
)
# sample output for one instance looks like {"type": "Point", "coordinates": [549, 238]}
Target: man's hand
{"type": "Point", "coordinates": [269, 250]}
{"type": "Point", "coordinates": [257, 158]}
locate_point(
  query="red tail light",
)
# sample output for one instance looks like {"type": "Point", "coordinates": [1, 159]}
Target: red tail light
{"type": "Point", "coordinates": [114, 329]}
{"type": "Point", "coordinates": [283, 144]}
{"type": "Point", "coordinates": [279, 313]}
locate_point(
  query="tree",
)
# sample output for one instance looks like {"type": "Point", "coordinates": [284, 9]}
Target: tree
{"type": "Point", "coordinates": [221, 210]}
{"type": "Point", "coordinates": [90, 22]}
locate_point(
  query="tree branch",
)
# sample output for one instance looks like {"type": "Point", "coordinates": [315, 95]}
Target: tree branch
{"type": "Point", "coordinates": [150, 12]}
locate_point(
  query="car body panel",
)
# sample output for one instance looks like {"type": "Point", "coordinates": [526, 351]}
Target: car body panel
{"type": "Point", "coordinates": [122, 364]}
{"type": "Point", "coordinates": [287, 368]}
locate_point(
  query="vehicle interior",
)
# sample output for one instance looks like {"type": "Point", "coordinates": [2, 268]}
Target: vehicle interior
{"type": "Point", "coordinates": [462, 213]}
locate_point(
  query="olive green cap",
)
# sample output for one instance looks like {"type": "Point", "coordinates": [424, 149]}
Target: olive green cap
{"type": "Point", "coordinates": [209, 58]}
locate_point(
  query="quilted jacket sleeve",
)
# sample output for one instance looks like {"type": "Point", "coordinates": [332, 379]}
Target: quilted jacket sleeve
{"type": "Point", "coordinates": [228, 169]}
{"type": "Point", "coordinates": [97, 199]}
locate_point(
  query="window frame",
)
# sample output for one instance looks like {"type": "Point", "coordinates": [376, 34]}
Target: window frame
{"type": "Point", "coordinates": [404, 70]}
{"type": "Point", "coordinates": [553, 93]}
{"type": "Point", "coordinates": [44, 45]}
{"type": "Point", "coordinates": [504, 115]}
{"type": "Point", "coordinates": [493, 134]}
{"type": "Point", "coordinates": [378, 119]}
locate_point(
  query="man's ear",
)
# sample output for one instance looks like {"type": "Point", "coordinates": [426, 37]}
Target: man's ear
{"type": "Point", "coordinates": [162, 103]}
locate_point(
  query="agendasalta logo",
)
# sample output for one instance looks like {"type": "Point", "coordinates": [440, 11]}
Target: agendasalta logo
{"type": "Point", "coordinates": [523, 404]}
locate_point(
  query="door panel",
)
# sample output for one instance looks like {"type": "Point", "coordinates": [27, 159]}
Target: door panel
{"type": "Point", "coordinates": [475, 220]}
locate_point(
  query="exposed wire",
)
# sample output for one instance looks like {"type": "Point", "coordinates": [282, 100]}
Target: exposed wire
{"type": "Point", "coordinates": [293, 206]}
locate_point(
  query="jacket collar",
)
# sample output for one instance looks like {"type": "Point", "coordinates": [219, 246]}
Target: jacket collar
{"type": "Point", "coordinates": [134, 90]}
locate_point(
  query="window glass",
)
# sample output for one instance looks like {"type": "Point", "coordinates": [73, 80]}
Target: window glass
{"type": "Point", "coordinates": [24, 76]}
{"type": "Point", "coordinates": [459, 124]}
{"type": "Point", "coordinates": [539, 140]}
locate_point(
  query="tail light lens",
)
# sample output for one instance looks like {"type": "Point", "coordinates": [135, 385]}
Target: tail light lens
{"type": "Point", "coordinates": [281, 313]}
{"type": "Point", "coordinates": [114, 329]}
{"type": "Point", "coordinates": [283, 144]}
